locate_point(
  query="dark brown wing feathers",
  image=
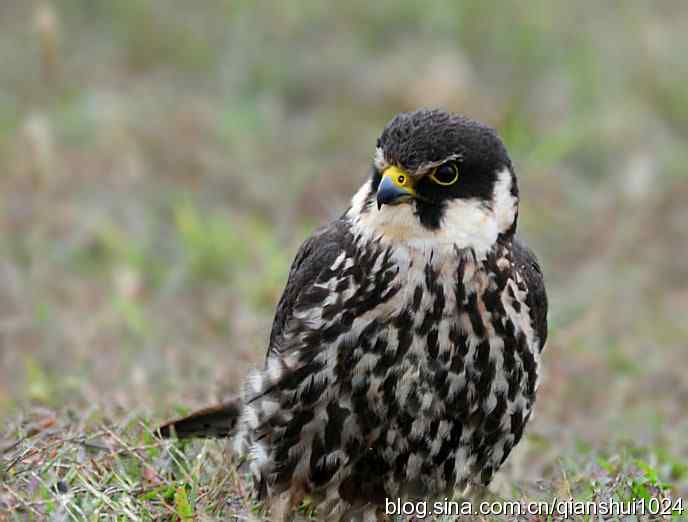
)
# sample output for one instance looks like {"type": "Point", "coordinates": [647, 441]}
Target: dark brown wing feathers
{"type": "Point", "coordinates": [529, 267]}
{"type": "Point", "coordinates": [316, 254]}
{"type": "Point", "coordinates": [216, 421]}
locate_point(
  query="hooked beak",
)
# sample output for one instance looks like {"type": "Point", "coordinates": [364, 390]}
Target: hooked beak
{"type": "Point", "coordinates": [395, 187]}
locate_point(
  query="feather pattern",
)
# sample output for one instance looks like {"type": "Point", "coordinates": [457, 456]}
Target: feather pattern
{"type": "Point", "coordinates": [405, 351]}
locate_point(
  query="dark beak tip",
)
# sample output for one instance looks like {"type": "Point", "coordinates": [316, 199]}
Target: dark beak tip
{"type": "Point", "coordinates": [388, 193]}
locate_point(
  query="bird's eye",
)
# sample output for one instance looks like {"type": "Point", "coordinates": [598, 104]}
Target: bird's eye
{"type": "Point", "coordinates": [401, 179]}
{"type": "Point", "coordinates": [445, 174]}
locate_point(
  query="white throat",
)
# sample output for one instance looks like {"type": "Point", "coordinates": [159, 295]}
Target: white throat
{"type": "Point", "coordinates": [467, 224]}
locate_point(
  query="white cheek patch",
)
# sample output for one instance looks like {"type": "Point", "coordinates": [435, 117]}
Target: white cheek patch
{"type": "Point", "coordinates": [392, 222]}
{"type": "Point", "coordinates": [505, 204]}
{"type": "Point", "coordinates": [466, 223]}
{"type": "Point", "coordinates": [469, 223]}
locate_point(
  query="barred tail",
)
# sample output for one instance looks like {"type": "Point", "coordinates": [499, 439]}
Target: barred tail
{"type": "Point", "coordinates": [214, 422]}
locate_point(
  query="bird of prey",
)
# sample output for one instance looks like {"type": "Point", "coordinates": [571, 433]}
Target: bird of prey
{"type": "Point", "coordinates": [404, 356]}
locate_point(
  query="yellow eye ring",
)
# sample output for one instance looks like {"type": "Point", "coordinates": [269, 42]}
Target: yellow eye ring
{"type": "Point", "coordinates": [445, 175]}
{"type": "Point", "coordinates": [401, 179]}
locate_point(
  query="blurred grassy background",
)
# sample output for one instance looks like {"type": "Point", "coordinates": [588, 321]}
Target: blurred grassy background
{"type": "Point", "coordinates": [160, 162]}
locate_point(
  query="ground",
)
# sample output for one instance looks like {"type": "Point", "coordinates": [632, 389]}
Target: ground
{"type": "Point", "coordinates": [160, 162]}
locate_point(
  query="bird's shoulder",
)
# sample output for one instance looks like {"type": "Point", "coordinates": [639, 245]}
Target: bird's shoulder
{"type": "Point", "coordinates": [528, 266]}
{"type": "Point", "coordinates": [316, 254]}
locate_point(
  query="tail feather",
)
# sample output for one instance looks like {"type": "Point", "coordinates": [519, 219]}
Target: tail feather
{"type": "Point", "coordinates": [214, 422]}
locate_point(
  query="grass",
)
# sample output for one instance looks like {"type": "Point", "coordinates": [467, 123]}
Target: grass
{"type": "Point", "coordinates": [160, 164]}
{"type": "Point", "coordinates": [86, 469]}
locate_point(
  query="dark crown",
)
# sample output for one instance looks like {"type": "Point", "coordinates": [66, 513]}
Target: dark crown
{"type": "Point", "coordinates": [412, 139]}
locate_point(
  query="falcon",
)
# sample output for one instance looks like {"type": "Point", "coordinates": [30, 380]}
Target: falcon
{"type": "Point", "coordinates": [404, 356]}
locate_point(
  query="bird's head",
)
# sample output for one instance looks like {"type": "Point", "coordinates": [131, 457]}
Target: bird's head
{"type": "Point", "coordinates": [439, 177]}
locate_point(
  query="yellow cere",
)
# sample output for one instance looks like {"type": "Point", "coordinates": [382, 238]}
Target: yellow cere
{"type": "Point", "coordinates": [399, 178]}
